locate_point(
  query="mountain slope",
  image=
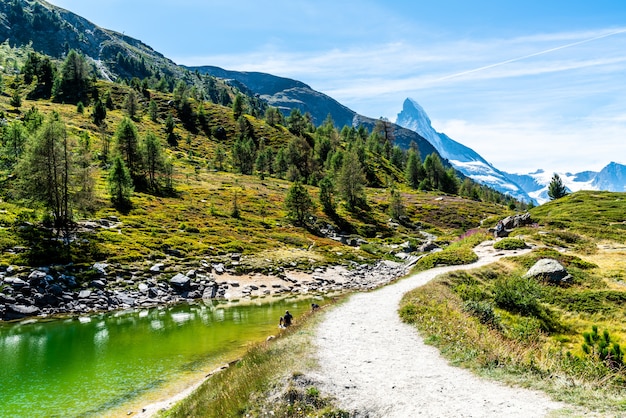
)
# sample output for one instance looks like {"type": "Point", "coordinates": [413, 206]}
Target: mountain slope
{"type": "Point", "coordinates": [53, 31]}
{"type": "Point", "coordinates": [286, 94]}
{"type": "Point", "coordinates": [462, 158]}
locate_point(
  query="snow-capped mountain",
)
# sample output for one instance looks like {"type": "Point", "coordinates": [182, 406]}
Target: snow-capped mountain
{"type": "Point", "coordinates": [611, 178]}
{"type": "Point", "coordinates": [462, 158]}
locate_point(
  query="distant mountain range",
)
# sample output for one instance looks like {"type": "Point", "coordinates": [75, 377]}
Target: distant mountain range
{"type": "Point", "coordinates": [526, 187]}
{"type": "Point", "coordinates": [611, 178]}
{"type": "Point", "coordinates": [53, 31]}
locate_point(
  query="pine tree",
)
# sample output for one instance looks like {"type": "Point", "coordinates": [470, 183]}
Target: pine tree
{"type": "Point", "coordinates": [412, 172]}
{"type": "Point", "coordinates": [128, 145]}
{"type": "Point", "coordinates": [351, 181]}
{"type": "Point", "coordinates": [396, 205]}
{"type": "Point", "coordinates": [73, 83]}
{"type": "Point", "coordinates": [327, 189]}
{"type": "Point", "coordinates": [556, 189]}
{"type": "Point", "coordinates": [120, 183]}
{"type": "Point", "coordinates": [298, 203]}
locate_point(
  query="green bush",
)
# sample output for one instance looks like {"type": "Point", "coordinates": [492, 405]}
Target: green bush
{"type": "Point", "coordinates": [517, 294]}
{"type": "Point", "coordinates": [510, 244]}
{"type": "Point", "coordinates": [483, 310]}
{"type": "Point", "coordinates": [600, 347]}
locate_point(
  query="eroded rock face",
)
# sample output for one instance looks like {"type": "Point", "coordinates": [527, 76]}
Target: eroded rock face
{"type": "Point", "coordinates": [549, 270]}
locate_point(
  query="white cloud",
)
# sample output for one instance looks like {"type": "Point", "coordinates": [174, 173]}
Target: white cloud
{"type": "Point", "coordinates": [555, 101]}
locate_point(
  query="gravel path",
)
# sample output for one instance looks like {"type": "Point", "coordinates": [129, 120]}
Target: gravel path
{"type": "Point", "coordinates": [377, 366]}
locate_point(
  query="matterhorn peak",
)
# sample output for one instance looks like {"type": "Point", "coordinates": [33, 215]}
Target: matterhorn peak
{"type": "Point", "coordinates": [462, 158]}
{"type": "Point", "coordinates": [411, 107]}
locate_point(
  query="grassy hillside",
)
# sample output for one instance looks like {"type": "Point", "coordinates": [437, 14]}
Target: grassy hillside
{"type": "Point", "coordinates": [534, 333]}
{"type": "Point", "coordinates": [196, 221]}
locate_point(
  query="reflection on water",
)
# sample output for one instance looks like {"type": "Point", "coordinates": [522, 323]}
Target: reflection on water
{"type": "Point", "coordinates": [89, 365]}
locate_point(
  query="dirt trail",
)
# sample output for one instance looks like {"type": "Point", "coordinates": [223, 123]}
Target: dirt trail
{"type": "Point", "coordinates": [377, 366]}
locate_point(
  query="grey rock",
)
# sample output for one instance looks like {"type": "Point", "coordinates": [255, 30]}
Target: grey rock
{"type": "Point", "coordinates": [180, 282]}
{"type": "Point", "coordinates": [38, 278]}
{"type": "Point", "coordinates": [143, 288]}
{"type": "Point", "coordinates": [15, 282]}
{"type": "Point", "coordinates": [55, 290]}
{"type": "Point", "coordinates": [84, 294]}
{"type": "Point", "coordinates": [157, 268]}
{"type": "Point", "coordinates": [98, 284]}
{"type": "Point", "coordinates": [101, 268]}
{"type": "Point", "coordinates": [21, 311]}
{"type": "Point", "coordinates": [549, 270]}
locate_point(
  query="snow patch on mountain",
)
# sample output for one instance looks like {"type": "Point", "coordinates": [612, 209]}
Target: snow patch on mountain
{"type": "Point", "coordinates": [462, 158]}
{"type": "Point", "coordinates": [611, 178]}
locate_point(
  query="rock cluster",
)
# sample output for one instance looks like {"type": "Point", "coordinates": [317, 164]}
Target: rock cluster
{"type": "Point", "coordinates": [54, 290]}
{"type": "Point", "coordinates": [504, 227]}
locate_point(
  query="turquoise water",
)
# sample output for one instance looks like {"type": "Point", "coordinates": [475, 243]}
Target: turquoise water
{"type": "Point", "coordinates": [94, 366]}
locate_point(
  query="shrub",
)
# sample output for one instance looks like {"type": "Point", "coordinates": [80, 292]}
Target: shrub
{"type": "Point", "coordinates": [517, 294]}
{"type": "Point", "coordinates": [483, 311]}
{"type": "Point", "coordinates": [509, 244]}
{"type": "Point", "coordinates": [600, 347]}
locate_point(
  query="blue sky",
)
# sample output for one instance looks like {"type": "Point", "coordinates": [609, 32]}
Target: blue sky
{"type": "Point", "coordinates": [532, 84]}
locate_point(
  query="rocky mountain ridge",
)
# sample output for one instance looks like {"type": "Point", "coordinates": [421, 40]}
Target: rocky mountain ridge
{"type": "Point", "coordinates": [462, 158]}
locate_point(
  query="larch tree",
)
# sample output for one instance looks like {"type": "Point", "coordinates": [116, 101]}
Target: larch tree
{"type": "Point", "coordinates": [45, 174]}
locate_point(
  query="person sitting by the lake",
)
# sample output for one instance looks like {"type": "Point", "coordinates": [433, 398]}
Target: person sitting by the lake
{"type": "Point", "coordinates": [287, 319]}
{"type": "Point", "coordinates": [315, 306]}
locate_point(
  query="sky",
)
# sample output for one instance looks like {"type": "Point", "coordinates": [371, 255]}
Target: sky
{"type": "Point", "coordinates": [526, 84]}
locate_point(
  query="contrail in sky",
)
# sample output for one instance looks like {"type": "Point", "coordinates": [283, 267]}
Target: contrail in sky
{"type": "Point", "coordinates": [486, 67]}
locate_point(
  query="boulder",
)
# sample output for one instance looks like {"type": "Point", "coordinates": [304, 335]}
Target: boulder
{"type": "Point", "coordinates": [427, 247]}
{"type": "Point", "coordinates": [20, 311]}
{"type": "Point", "coordinates": [101, 268]}
{"type": "Point", "coordinates": [98, 284]}
{"type": "Point", "coordinates": [38, 278]}
{"type": "Point", "coordinates": [180, 282]}
{"type": "Point", "coordinates": [549, 270]}
{"type": "Point", "coordinates": [157, 268]}
{"type": "Point", "coordinates": [15, 282]}
{"type": "Point", "coordinates": [517, 221]}
{"type": "Point", "coordinates": [210, 291]}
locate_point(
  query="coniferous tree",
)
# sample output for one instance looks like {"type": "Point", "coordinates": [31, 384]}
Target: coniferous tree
{"type": "Point", "coordinates": [74, 81]}
{"type": "Point", "coordinates": [169, 130]}
{"type": "Point", "coordinates": [130, 104]}
{"type": "Point", "coordinates": [99, 112]}
{"type": "Point", "coordinates": [45, 173]}
{"type": "Point", "coordinates": [153, 160]}
{"type": "Point", "coordinates": [120, 183]}
{"type": "Point", "coordinates": [351, 181]}
{"type": "Point", "coordinates": [396, 205]}
{"type": "Point", "coordinates": [238, 107]}
{"type": "Point", "coordinates": [14, 141]}
{"type": "Point", "coordinates": [127, 140]}
{"type": "Point", "coordinates": [153, 110]}
{"type": "Point", "coordinates": [327, 190]}
{"type": "Point", "coordinates": [413, 170]}
{"type": "Point", "coordinates": [556, 189]}
{"type": "Point", "coordinates": [298, 203]}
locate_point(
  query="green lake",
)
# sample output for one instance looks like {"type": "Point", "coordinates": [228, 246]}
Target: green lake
{"type": "Point", "coordinates": [112, 364]}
